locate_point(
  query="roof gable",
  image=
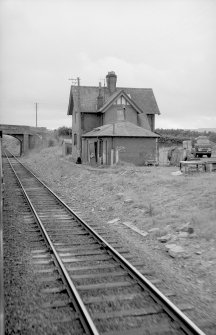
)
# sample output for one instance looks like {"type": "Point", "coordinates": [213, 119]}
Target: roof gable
{"type": "Point", "coordinates": [114, 97]}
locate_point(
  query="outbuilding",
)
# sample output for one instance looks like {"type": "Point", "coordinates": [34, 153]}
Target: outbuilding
{"type": "Point", "coordinates": [120, 141]}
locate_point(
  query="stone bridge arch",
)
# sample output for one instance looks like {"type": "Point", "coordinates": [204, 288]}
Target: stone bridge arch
{"type": "Point", "coordinates": [29, 137]}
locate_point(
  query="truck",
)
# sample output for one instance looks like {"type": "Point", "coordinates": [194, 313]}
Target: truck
{"type": "Point", "coordinates": [201, 146]}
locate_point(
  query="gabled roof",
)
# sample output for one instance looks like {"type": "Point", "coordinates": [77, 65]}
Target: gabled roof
{"type": "Point", "coordinates": [142, 97]}
{"type": "Point", "coordinates": [120, 129]}
{"type": "Point", "coordinates": [110, 100]}
{"type": "Point", "coordinates": [88, 98]}
{"type": "Point", "coordinates": [115, 96]}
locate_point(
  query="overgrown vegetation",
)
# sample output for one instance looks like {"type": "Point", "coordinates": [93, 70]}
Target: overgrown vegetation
{"type": "Point", "coordinates": [177, 136]}
{"type": "Point", "coordinates": [64, 131]}
{"type": "Point", "coordinates": [51, 142]}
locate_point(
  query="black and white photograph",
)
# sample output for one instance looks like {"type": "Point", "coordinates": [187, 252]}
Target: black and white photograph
{"type": "Point", "coordinates": [107, 167]}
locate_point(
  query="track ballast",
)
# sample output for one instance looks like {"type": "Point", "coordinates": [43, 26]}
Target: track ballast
{"type": "Point", "coordinates": [100, 290]}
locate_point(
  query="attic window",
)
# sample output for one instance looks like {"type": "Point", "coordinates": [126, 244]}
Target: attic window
{"type": "Point", "coordinates": [121, 101]}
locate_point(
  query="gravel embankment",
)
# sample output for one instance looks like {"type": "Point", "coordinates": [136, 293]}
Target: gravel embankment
{"type": "Point", "coordinates": [157, 200]}
{"type": "Point", "coordinates": [144, 197]}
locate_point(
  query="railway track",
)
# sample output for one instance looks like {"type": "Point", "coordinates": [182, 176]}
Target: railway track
{"type": "Point", "coordinates": [89, 285]}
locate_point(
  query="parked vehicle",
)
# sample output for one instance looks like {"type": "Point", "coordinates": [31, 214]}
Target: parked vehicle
{"type": "Point", "coordinates": [201, 146]}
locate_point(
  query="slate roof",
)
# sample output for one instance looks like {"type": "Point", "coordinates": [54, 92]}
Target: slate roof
{"type": "Point", "coordinates": [122, 129]}
{"type": "Point", "coordinates": [143, 97]}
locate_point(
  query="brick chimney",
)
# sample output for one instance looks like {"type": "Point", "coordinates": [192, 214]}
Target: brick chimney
{"type": "Point", "coordinates": [111, 79]}
{"type": "Point", "coordinates": [100, 100]}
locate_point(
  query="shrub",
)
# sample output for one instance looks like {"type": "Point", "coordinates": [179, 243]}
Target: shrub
{"type": "Point", "coordinates": [51, 143]}
{"type": "Point", "coordinates": [64, 131]}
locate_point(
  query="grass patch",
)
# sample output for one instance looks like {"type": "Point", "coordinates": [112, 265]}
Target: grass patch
{"type": "Point", "coordinates": [159, 198]}
{"type": "Point", "coordinates": [205, 225]}
{"type": "Point", "coordinates": [149, 210]}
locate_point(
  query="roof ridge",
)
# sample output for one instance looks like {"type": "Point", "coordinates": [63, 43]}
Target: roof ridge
{"type": "Point", "coordinates": [117, 88]}
{"type": "Point", "coordinates": [123, 129]}
{"type": "Point", "coordinates": [137, 88]}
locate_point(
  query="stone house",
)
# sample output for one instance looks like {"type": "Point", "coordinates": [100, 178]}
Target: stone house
{"type": "Point", "coordinates": [113, 123]}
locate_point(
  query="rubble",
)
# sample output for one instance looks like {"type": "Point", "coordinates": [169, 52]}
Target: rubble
{"type": "Point", "coordinates": [186, 227]}
{"type": "Point", "coordinates": [128, 201]}
{"type": "Point", "coordinates": [114, 221]}
{"type": "Point", "coordinates": [152, 230]}
{"type": "Point", "coordinates": [165, 238]}
{"type": "Point", "coordinates": [183, 234]}
{"type": "Point", "coordinates": [175, 250]}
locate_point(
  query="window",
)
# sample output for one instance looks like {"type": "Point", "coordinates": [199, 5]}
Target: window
{"type": "Point", "coordinates": [75, 117]}
{"type": "Point", "coordinates": [120, 115]}
{"type": "Point", "coordinates": [121, 101]}
{"type": "Point", "coordinates": [75, 139]}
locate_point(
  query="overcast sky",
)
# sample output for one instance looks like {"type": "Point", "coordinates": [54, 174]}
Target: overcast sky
{"type": "Point", "coordinates": [166, 45]}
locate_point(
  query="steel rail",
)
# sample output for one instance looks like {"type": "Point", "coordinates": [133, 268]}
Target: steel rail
{"type": "Point", "coordinates": [1, 244]}
{"type": "Point", "coordinates": [88, 324]}
{"type": "Point", "coordinates": [173, 311]}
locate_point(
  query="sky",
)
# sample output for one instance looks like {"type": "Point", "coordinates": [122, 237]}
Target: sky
{"type": "Point", "coordinates": [166, 45]}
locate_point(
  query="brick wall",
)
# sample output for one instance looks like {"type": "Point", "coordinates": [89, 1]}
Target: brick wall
{"type": "Point", "coordinates": [111, 114]}
{"type": "Point", "coordinates": [136, 150]}
{"type": "Point", "coordinates": [90, 121]}
{"type": "Point", "coordinates": [151, 120]}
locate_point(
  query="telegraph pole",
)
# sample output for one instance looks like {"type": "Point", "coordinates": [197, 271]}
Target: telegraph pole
{"type": "Point", "coordinates": [36, 108]}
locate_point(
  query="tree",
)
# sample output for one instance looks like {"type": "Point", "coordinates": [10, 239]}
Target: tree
{"type": "Point", "coordinates": [212, 137]}
{"type": "Point", "coordinates": [177, 136]}
{"type": "Point", "coordinates": [64, 131]}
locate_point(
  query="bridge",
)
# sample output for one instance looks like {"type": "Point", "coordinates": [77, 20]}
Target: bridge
{"type": "Point", "coordinates": [29, 137]}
